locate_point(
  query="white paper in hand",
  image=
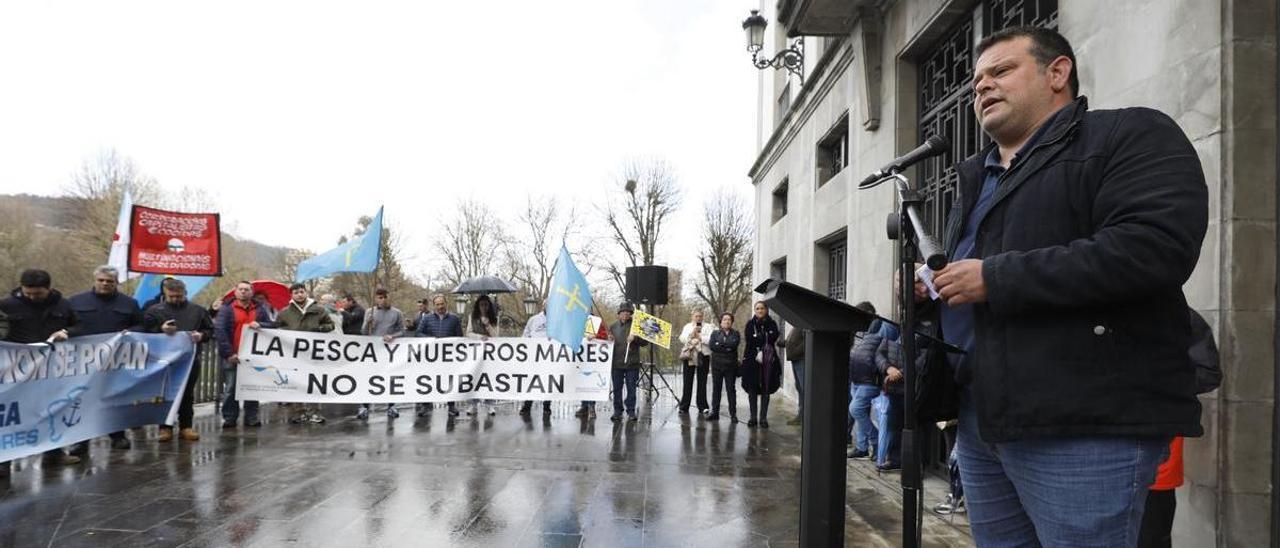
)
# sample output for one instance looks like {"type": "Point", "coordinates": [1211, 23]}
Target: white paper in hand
{"type": "Point", "coordinates": [925, 274]}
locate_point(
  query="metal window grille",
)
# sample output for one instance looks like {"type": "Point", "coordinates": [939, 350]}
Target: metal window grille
{"type": "Point", "coordinates": [837, 269]}
{"type": "Point", "coordinates": [945, 94]}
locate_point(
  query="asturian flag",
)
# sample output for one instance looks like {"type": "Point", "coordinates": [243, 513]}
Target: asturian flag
{"type": "Point", "coordinates": [119, 255]}
{"type": "Point", "coordinates": [361, 254]}
{"type": "Point", "coordinates": [569, 303]}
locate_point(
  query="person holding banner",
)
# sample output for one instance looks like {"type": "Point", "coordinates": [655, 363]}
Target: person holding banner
{"type": "Point", "coordinates": [304, 314]}
{"type": "Point", "coordinates": [724, 366]}
{"type": "Point", "coordinates": [104, 309]}
{"type": "Point", "coordinates": [175, 313]}
{"type": "Point", "coordinates": [386, 321]}
{"type": "Point", "coordinates": [761, 369]}
{"type": "Point", "coordinates": [482, 325]}
{"type": "Point", "coordinates": [696, 356]}
{"type": "Point", "coordinates": [536, 328]}
{"type": "Point", "coordinates": [626, 364]}
{"type": "Point", "coordinates": [441, 323]}
{"type": "Point", "coordinates": [244, 311]}
{"type": "Point", "coordinates": [37, 313]}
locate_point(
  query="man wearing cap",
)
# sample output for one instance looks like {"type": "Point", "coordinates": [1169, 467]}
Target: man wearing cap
{"type": "Point", "coordinates": [626, 363]}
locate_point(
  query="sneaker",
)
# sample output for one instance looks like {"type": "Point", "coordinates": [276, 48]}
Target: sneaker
{"type": "Point", "coordinates": [751, 423]}
{"type": "Point", "coordinates": [615, 417]}
{"type": "Point", "coordinates": [424, 409]}
{"type": "Point", "coordinates": [856, 454]}
{"type": "Point", "coordinates": [889, 467]}
{"type": "Point", "coordinates": [949, 506]}
{"type": "Point", "coordinates": [253, 423]}
{"type": "Point", "coordinates": [316, 418]}
{"type": "Point", "coordinates": [764, 424]}
{"type": "Point", "coordinates": [392, 413]}
{"type": "Point", "coordinates": [121, 443]}
{"type": "Point", "coordinates": [632, 417]}
{"type": "Point", "coordinates": [189, 434]}
{"type": "Point", "coordinates": [453, 410]}
{"type": "Point", "coordinates": [230, 423]}
{"type": "Point", "coordinates": [713, 416]}
{"type": "Point", "coordinates": [362, 414]}
{"type": "Point", "coordinates": [492, 411]}
{"type": "Point", "coordinates": [166, 434]}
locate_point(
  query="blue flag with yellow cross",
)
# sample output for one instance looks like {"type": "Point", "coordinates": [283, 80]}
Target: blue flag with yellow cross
{"type": "Point", "coordinates": [568, 302]}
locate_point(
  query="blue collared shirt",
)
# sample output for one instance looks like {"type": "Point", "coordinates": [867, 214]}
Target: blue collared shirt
{"type": "Point", "coordinates": [958, 321]}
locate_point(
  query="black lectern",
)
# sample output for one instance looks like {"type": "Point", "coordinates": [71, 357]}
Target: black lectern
{"type": "Point", "coordinates": [831, 325]}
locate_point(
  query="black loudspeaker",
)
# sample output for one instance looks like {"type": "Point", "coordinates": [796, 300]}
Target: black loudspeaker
{"type": "Point", "coordinates": [647, 284]}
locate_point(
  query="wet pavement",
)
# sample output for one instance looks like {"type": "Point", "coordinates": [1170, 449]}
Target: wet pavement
{"type": "Point", "coordinates": [667, 480]}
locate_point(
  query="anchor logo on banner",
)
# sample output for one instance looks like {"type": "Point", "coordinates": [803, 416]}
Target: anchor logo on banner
{"type": "Point", "coordinates": [65, 410]}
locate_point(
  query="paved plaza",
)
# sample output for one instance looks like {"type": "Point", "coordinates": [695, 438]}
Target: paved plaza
{"type": "Point", "coordinates": [667, 480]}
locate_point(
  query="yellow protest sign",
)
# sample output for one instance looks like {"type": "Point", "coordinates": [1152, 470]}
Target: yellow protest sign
{"type": "Point", "coordinates": [651, 328]}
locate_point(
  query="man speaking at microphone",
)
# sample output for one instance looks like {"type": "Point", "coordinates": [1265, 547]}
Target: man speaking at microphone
{"type": "Point", "coordinates": [1070, 240]}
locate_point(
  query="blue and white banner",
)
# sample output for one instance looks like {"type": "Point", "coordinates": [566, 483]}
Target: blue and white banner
{"type": "Point", "coordinates": [55, 395]}
{"type": "Point", "coordinates": [294, 366]}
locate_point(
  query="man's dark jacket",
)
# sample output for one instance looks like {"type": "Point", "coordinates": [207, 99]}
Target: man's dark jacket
{"type": "Point", "coordinates": [97, 314]}
{"type": "Point", "coordinates": [188, 316]}
{"type": "Point", "coordinates": [31, 322]}
{"type": "Point", "coordinates": [224, 325]}
{"type": "Point", "coordinates": [1087, 244]}
{"type": "Point", "coordinates": [353, 320]}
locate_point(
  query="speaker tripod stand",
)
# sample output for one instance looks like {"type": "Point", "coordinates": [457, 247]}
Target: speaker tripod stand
{"type": "Point", "coordinates": [647, 371]}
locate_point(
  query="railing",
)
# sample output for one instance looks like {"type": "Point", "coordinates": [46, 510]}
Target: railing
{"type": "Point", "coordinates": [208, 386]}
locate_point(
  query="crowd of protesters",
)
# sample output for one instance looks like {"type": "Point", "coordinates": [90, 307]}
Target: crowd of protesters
{"type": "Point", "coordinates": [35, 312]}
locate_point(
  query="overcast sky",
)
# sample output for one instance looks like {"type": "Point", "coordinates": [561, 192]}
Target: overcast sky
{"type": "Point", "coordinates": [284, 109]}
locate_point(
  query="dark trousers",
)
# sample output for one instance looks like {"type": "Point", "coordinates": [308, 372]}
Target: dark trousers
{"type": "Point", "coordinates": [186, 407]}
{"type": "Point", "coordinates": [528, 405]}
{"type": "Point", "coordinates": [724, 379]}
{"type": "Point", "coordinates": [696, 373]}
{"type": "Point", "coordinates": [893, 449]}
{"type": "Point", "coordinates": [1157, 520]}
{"type": "Point", "coordinates": [759, 406]}
{"type": "Point", "coordinates": [629, 377]}
{"type": "Point", "coordinates": [231, 407]}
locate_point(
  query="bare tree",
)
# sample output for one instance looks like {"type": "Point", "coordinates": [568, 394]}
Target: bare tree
{"type": "Point", "coordinates": [529, 257]}
{"type": "Point", "coordinates": [724, 282]}
{"type": "Point", "coordinates": [650, 195]}
{"type": "Point", "coordinates": [471, 244]}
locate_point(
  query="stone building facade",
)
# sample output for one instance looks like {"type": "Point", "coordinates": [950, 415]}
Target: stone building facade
{"type": "Point", "coordinates": [881, 75]}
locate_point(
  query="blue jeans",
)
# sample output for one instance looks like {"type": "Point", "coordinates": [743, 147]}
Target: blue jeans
{"type": "Point", "coordinates": [1055, 491]}
{"type": "Point", "coordinates": [629, 377]}
{"type": "Point", "coordinates": [860, 396]}
{"type": "Point", "coordinates": [230, 407]}
{"type": "Point", "coordinates": [889, 448]}
{"type": "Point", "coordinates": [797, 369]}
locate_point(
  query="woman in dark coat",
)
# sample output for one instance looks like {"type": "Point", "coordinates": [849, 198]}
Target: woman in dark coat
{"type": "Point", "coordinates": [724, 344]}
{"type": "Point", "coordinates": [761, 369]}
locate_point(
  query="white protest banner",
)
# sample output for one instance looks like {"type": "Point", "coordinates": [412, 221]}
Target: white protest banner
{"type": "Point", "coordinates": [295, 366]}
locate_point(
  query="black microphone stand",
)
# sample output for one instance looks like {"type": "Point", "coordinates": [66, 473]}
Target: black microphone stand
{"type": "Point", "coordinates": [906, 228]}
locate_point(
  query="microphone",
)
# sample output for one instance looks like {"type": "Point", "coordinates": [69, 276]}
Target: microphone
{"type": "Point", "coordinates": [932, 147]}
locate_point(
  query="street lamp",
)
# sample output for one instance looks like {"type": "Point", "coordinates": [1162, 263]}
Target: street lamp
{"type": "Point", "coordinates": [791, 58]}
{"type": "Point", "coordinates": [530, 306]}
{"type": "Point", "coordinates": [460, 305]}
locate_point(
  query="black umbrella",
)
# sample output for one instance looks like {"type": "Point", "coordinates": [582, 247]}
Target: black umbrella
{"type": "Point", "coordinates": [486, 285]}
